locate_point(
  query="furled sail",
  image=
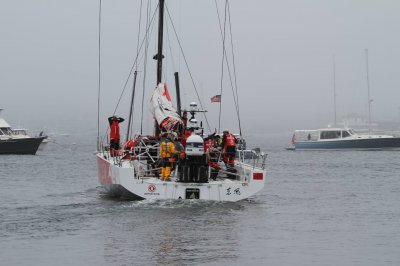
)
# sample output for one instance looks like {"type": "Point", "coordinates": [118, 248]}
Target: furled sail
{"type": "Point", "coordinates": [163, 110]}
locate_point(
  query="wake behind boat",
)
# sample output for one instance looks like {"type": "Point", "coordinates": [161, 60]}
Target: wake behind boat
{"type": "Point", "coordinates": [177, 161]}
{"type": "Point", "coordinates": [341, 138]}
{"type": "Point", "coordinates": [17, 141]}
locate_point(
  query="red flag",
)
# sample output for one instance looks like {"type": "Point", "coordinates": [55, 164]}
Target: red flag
{"type": "Point", "coordinates": [216, 99]}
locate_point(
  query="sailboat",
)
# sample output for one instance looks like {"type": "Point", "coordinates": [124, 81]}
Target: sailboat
{"type": "Point", "coordinates": [199, 170]}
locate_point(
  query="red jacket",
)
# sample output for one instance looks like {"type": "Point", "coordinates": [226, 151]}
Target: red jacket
{"type": "Point", "coordinates": [230, 141]}
{"type": "Point", "coordinates": [114, 131]}
{"type": "Point", "coordinates": [209, 144]}
{"type": "Point", "coordinates": [114, 127]}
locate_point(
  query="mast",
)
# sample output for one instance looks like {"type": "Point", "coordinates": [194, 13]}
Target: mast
{"type": "Point", "coordinates": [334, 90]}
{"type": "Point", "coordinates": [159, 56]}
{"type": "Point", "coordinates": [369, 96]}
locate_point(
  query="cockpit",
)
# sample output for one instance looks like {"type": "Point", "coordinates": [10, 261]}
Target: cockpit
{"type": "Point", "coordinates": [347, 133]}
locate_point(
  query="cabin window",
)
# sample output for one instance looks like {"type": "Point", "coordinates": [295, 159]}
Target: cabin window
{"type": "Point", "coordinates": [19, 132]}
{"type": "Point", "coordinates": [330, 134]}
{"type": "Point", "coordinates": [345, 134]}
{"type": "Point", "coordinates": [6, 131]}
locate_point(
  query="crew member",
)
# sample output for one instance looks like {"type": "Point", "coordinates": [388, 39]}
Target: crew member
{"type": "Point", "coordinates": [167, 153]}
{"type": "Point", "coordinates": [184, 122]}
{"type": "Point", "coordinates": [218, 140]}
{"type": "Point", "coordinates": [114, 134]}
{"type": "Point", "coordinates": [210, 148]}
{"type": "Point", "coordinates": [229, 148]}
{"type": "Point", "coordinates": [128, 147]}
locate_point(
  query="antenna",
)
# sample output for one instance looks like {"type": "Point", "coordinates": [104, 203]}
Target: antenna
{"type": "Point", "coordinates": [334, 89]}
{"type": "Point", "coordinates": [369, 96]}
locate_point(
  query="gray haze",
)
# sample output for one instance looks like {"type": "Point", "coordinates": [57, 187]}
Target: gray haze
{"type": "Point", "coordinates": [283, 53]}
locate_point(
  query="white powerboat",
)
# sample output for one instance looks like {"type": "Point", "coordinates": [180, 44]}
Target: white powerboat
{"type": "Point", "coordinates": [341, 138]}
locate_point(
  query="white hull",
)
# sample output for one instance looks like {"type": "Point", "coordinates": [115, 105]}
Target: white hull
{"type": "Point", "coordinates": [123, 181]}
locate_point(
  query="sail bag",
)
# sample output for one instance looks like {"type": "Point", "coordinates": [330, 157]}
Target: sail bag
{"type": "Point", "coordinates": [163, 110]}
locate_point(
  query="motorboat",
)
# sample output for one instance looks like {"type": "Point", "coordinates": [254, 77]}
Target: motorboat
{"type": "Point", "coordinates": [333, 138]}
{"type": "Point", "coordinates": [199, 172]}
{"type": "Point", "coordinates": [17, 141]}
{"type": "Point", "coordinates": [341, 138]}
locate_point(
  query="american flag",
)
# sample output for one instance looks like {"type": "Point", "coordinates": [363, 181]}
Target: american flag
{"type": "Point", "coordinates": [216, 99]}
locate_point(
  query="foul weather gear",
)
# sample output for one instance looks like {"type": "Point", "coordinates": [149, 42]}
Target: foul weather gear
{"type": "Point", "coordinates": [114, 134]}
{"type": "Point", "coordinates": [229, 145]}
{"type": "Point", "coordinates": [167, 153]}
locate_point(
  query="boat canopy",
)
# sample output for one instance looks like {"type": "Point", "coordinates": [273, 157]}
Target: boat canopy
{"type": "Point", "coordinates": [3, 123]}
{"type": "Point", "coordinates": [5, 128]}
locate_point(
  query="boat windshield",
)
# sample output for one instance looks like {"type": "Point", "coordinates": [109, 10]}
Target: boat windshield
{"type": "Point", "coordinates": [5, 131]}
{"type": "Point", "coordinates": [345, 134]}
{"type": "Point", "coordinates": [351, 132]}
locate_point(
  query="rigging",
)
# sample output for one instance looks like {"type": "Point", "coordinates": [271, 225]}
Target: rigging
{"type": "Point", "coordinates": [235, 96]}
{"type": "Point", "coordinates": [187, 67]}
{"type": "Point", "coordinates": [99, 83]}
{"type": "Point", "coordinates": [132, 105]}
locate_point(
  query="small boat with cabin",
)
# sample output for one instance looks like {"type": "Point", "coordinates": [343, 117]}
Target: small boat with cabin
{"type": "Point", "coordinates": [341, 138]}
{"type": "Point", "coordinates": [17, 141]}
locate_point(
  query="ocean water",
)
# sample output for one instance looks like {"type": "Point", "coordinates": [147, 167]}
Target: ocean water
{"type": "Point", "coordinates": [318, 208]}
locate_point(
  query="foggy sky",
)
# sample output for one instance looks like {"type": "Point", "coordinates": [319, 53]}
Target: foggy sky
{"type": "Point", "coordinates": [283, 53]}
